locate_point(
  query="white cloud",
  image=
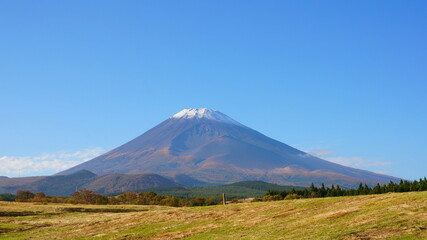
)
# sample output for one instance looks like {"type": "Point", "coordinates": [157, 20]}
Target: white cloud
{"type": "Point", "coordinates": [349, 161]}
{"type": "Point", "coordinates": [358, 162]}
{"type": "Point", "coordinates": [44, 164]}
{"type": "Point", "coordinates": [385, 172]}
{"type": "Point", "coordinates": [321, 153]}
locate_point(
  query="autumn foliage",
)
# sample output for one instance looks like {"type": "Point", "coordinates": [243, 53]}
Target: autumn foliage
{"type": "Point", "coordinates": [89, 197]}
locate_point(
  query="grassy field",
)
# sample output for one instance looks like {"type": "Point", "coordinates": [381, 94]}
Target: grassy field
{"type": "Point", "coordinates": [387, 216]}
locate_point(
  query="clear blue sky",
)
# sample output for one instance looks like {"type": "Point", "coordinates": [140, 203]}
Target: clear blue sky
{"type": "Point", "coordinates": [346, 81]}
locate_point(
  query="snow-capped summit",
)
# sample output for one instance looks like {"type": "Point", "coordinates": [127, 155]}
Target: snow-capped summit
{"type": "Point", "coordinates": [205, 113]}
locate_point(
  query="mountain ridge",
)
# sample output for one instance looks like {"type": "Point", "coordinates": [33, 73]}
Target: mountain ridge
{"type": "Point", "coordinates": [65, 185]}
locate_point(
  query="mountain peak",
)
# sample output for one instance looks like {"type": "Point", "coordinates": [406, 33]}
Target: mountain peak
{"type": "Point", "coordinates": [211, 147]}
{"type": "Point", "coordinates": [205, 113]}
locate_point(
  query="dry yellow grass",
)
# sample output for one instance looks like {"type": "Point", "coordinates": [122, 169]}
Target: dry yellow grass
{"type": "Point", "coordinates": [387, 216]}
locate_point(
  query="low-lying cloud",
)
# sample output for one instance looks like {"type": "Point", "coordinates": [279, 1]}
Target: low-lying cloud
{"type": "Point", "coordinates": [357, 162]}
{"type": "Point", "coordinates": [44, 164]}
{"type": "Point", "coordinates": [374, 165]}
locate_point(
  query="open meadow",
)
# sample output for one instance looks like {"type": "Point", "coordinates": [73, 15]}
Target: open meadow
{"type": "Point", "coordinates": [385, 216]}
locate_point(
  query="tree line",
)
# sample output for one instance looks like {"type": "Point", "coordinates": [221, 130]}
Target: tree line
{"type": "Point", "coordinates": [151, 198]}
{"type": "Point", "coordinates": [335, 191]}
{"type": "Point", "coordinates": [89, 197]}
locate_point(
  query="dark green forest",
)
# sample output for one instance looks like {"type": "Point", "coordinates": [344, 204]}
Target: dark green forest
{"type": "Point", "coordinates": [335, 191]}
{"type": "Point", "coordinates": [246, 189]}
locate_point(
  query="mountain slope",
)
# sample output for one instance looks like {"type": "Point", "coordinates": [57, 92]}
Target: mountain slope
{"type": "Point", "coordinates": [65, 185]}
{"type": "Point", "coordinates": [211, 147]}
{"type": "Point", "coordinates": [113, 183]}
{"type": "Point", "coordinates": [10, 185]}
{"type": "Point", "coordinates": [59, 185]}
{"type": "Point", "coordinates": [62, 185]}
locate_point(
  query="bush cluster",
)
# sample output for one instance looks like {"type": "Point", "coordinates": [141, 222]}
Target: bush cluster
{"type": "Point", "coordinates": [89, 197]}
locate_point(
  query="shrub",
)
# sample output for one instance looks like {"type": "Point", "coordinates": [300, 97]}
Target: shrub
{"type": "Point", "coordinates": [198, 201]}
{"type": "Point", "coordinates": [40, 195]}
{"type": "Point", "coordinates": [272, 198]}
{"type": "Point", "coordinates": [211, 201]}
{"type": "Point", "coordinates": [24, 195]}
{"type": "Point", "coordinates": [293, 196]}
{"type": "Point", "coordinates": [257, 200]}
{"type": "Point", "coordinates": [128, 197]}
{"type": "Point", "coordinates": [86, 196]}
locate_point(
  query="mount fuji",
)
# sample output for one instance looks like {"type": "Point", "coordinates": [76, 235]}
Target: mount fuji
{"type": "Point", "coordinates": [208, 146]}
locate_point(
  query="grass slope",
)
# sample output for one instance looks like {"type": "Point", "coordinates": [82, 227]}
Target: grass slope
{"type": "Point", "coordinates": [387, 216]}
{"type": "Point", "coordinates": [245, 189]}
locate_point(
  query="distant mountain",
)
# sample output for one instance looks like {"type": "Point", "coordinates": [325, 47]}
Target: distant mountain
{"type": "Point", "coordinates": [65, 185]}
{"type": "Point", "coordinates": [210, 147]}
{"type": "Point", "coordinates": [62, 185]}
{"type": "Point", "coordinates": [10, 185]}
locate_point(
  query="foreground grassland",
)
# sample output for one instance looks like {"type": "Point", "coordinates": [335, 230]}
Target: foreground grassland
{"type": "Point", "coordinates": [386, 216]}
